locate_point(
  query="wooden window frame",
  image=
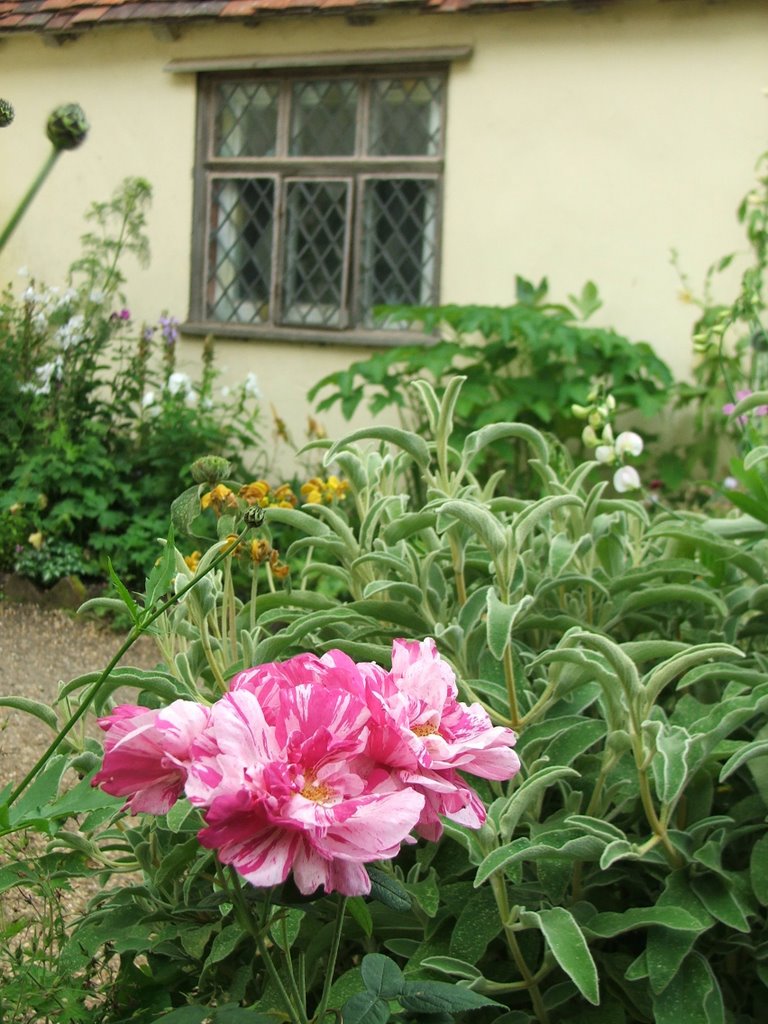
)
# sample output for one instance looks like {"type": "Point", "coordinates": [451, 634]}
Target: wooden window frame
{"type": "Point", "coordinates": [358, 167]}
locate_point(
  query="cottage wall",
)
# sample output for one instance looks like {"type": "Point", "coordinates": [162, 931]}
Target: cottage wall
{"type": "Point", "coordinates": [580, 145]}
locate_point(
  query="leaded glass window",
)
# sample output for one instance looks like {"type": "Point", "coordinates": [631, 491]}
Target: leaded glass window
{"type": "Point", "coordinates": [318, 198]}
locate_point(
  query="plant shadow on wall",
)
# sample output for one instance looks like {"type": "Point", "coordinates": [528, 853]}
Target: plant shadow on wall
{"type": "Point", "coordinates": [94, 412]}
{"type": "Point", "coordinates": [619, 876]}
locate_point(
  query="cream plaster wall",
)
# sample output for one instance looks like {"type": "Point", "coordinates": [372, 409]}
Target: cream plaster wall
{"type": "Point", "coordinates": [579, 146]}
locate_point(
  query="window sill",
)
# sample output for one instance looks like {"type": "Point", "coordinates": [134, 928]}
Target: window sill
{"type": "Point", "coordinates": [355, 337]}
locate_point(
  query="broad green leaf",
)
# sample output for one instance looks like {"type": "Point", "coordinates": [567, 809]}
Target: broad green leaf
{"type": "Point", "coordinates": [719, 898]}
{"type": "Point", "coordinates": [611, 923]}
{"type": "Point", "coordinates": [664, 952]}
{"type": "Point", "coordinates": [284, 927]}
{"type": "Point", "coordinates": [692, 997]}
{"type": "Point", "coordinates": [477, 925]}
{"type": "Point", "coordinates": [441, 997]}
{"type": "Point", "coordinates": [426, 893]}
{"type": "Point", "coordinates": [680, 663]}
{"type": "Point", "coordinates": [387, 889]}
{"type": "Point", "coordinates": [569, 948]}
{"type": "Point", "coordinates": [364, 1008]}
{"type": "Point", "coordinates": [224, 944]}
{"type": "Point", "coordinates": [381, 976]}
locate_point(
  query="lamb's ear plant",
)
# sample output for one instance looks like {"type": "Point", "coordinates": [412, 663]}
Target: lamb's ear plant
{"type": "Point", "coordinates": [619, 876]}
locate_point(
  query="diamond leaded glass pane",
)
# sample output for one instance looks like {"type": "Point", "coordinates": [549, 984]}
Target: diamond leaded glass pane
{"type": "Point", "coordinates": [316, 232]}
{"type": "Point", "coordinates": [246, 119]}
{"type": "Point", "coordinates": [399, 244]}
{"type": "Point", "coordinates": [405, 117]}
{"type": "Point", "coordinates": [324, 118]}
{"type": "Point", "coordinates": [240, 250]}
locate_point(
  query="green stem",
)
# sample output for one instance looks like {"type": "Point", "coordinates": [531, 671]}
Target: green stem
{"type": "Point", "coordinates": [331, 965]}
{"type": "Point", "coordinates": [295, 1012]}
{"type": "Point", "coordinates": [530, 980]}
{"type": "Point", "coordinates": [136, 631]}
{"type": "Point", "coordinates": [509, 677]}
{"type": "Point", "coordinates": [32, 191]}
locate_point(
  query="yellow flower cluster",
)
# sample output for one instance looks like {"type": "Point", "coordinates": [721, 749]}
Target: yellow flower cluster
{"type": "Point", "coordinates": [220, 498]}
{"type": "Point", "coordinates": [324, 492]}
{"type": "Point", "coordinates": [259, 492]}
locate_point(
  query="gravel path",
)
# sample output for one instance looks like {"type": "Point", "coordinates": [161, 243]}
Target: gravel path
{"type": "Point", "coordinates": [39, 648]}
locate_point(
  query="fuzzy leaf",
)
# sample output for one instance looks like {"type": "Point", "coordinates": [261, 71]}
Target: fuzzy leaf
{"type": "Point", "coordinates": [382, 976]}
{"type": "Point", "coordinates": [569, 947]}
{"type": "Point", "coordinates": [500, 619]}
{"type": "Point", "coordinates": [692, 997]}
{"type": "Point", "coordinates": [364, 1008]}
{"type": "Point", "coordinates": [482, 523]}
{"type": "Point", "coordinates": [32, 707]}
{"type": "Point", "coordinates": [441, 997]}
{"type": "Point", "coordinates": [409, 442]}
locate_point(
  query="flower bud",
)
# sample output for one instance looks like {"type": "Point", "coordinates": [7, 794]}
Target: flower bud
{"type": "Point", "coordinates": [210, 469]}
{"type": "Point", "coordinates": [67, 126]}
{"type": "Point", "coordinates": [580, 411]}
{"type": "Point", "coordinates": [7, 113]}
{"type": "Point", "coordinates": [607, 434]}
{"type": "Point", "coordinates": [589, 437]}
{"type": "Point", "coordinates": [604, 453]}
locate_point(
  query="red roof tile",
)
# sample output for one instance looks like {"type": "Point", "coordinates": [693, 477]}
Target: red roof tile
{"type": "Point", "coordinates": [61, 16]}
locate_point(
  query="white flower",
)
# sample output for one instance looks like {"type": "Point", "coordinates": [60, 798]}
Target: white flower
{"type": "Point", "coordinates": [604, 453]}
{"type": "Point", "coordinates": [71, 333]}
{"type": "Point", "coordinates": [96, 296]}
{"type": "Point", "coordinates": [628, 443]}
{"type": "Point", "coordinates": [251, 386]}
{"type": "Point", "coordinates": [225, 390]}
{"type": "Point", "coordinates": [731, 483]}
{"type": "Point", "coordinates": [626, 479]}
{"type": "Point", "coordinates": [179, 382]}
{"type": "Point", "coordinates": [147, 399]}
{"type": "Point", "coordinates": [589, 437]}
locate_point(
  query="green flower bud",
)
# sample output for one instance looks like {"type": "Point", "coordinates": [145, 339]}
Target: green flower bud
{"type": "Point", "coordinates": [67, 126]}
{"type": "Point", "coordinates": [7, 113]}
{"type": "Point", "coordinates": [211, 469]}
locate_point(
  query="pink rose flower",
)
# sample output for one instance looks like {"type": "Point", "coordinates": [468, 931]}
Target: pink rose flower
{"type": "Point", "coordinates": [146, 753]}
{"type": "Point", "coordinates": [300, 794]}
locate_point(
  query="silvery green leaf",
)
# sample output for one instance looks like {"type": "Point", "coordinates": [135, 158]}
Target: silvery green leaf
{"type": "Point", "coordinates": [500, 619]}
{"type": "Point", "coordinates": [527, 793]}
{"type": "Point", "coordinates": [479, 439]}
{"type": "Point", "coordinates": [480, 521]}
{"type": "Point", "coordinates": [568, 946]}
{"type": "Point", "coordinates": [692, 997]}
{"type": "Point", "coordinates": [755, 456]}
{"type": "Point", "coordinates": [409, 442]}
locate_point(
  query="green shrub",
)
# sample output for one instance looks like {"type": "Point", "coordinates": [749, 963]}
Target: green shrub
{"type": "Point", "coordinates": [619, 877]}
{"type": "Point", "coordinates": [529, 363]}
{"type": "Point", "coordinates": [98, 425]}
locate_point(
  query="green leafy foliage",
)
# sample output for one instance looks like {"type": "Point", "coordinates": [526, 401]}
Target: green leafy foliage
{"type": "Point", "coordinates": [618, 877]}
{"type": "Point", "coordinates": [527, 363]}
